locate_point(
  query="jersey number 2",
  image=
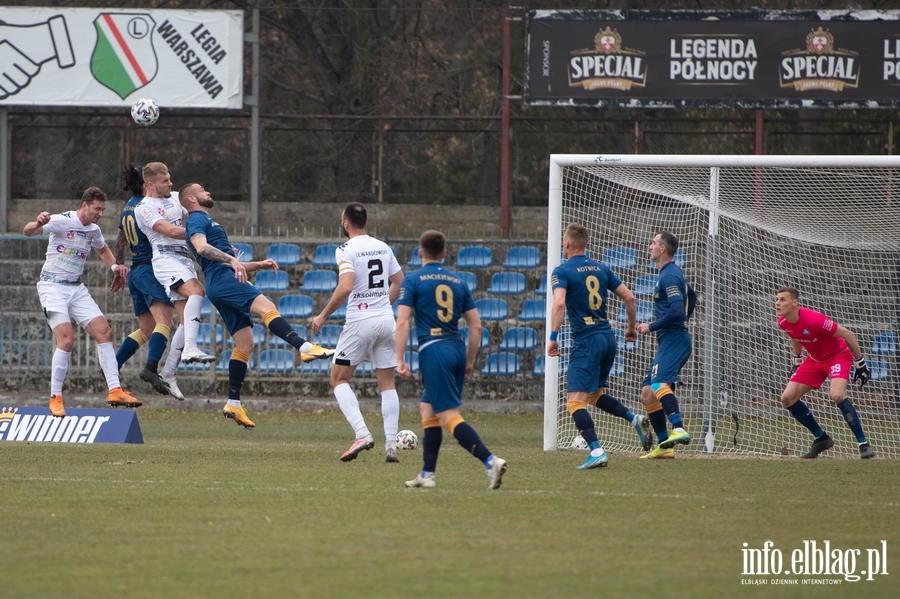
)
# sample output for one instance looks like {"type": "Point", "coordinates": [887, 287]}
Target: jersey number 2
{"type": "Point", "coordinates": [376, 268]}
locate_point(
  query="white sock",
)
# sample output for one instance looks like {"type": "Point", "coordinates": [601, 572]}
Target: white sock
{"type": "Point", "coordinates": [59, 366]}
{"type": "Point", "coordinates": [174, 357]}
{"type": "Point", "coordinates": [306, 347]}
{"type": "Point", "coordinates": [107, 356]}
{"type": "Point", "coordinates": [390, 411]}
{"type": "Point", "coordinates": [597, 452]}
{"type": "Point", "coordinates": [235, 403]}
{"type": "Point", "coordinates": [350, 407]}
{"type": "Point", "coordinates": [192, 320]}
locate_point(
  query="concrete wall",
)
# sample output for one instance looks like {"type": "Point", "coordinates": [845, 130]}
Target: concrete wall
{"type": "Point", "coordinates": [319, 220]}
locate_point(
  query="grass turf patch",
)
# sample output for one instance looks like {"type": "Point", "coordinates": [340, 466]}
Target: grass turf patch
{"type": "Point", "coordinates": [207, 509]}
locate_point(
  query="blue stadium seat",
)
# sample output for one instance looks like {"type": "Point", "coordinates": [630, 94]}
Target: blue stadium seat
{"type": "Point", "coordinates": [879, 369]}
{"type": "Point", "coordinates": [618, 367]}
{"type": "Point", "coordinates": [520, 338]}
{"type": "Point", "coordinates": [412, 359]}
{"type": "Point", "coordinates": [259, 335]}
{"type": "Point", "coordinates": [268, 280]}
{"type": "Point", "coordinates": [324, 256]}
{"type": "Point", "coordinates": [507, 282]}
{"type": "Point", "coordinates": [365, 368]}
{"type": "Point", "coordinates": [276, 341]}
{"type": "Point", "coordinates": [885, 343]}
{"type": "Point", "coordinates": [315, 367]}
{"type": "Point", "coordinates": [538, 369]}
{"type": "Point", "coordinates": [276, 360]}
{"type": "Point", "coordinates": [340, 313]}
{"type": "Point", "coordinates": [485, 337]}
{"type": "Point", "coordinates": [502, 363]}
{"type": "Point", "coordinates": [492, 308]}
{"type": "Point", "coordinates": [244, 251]}
{"type": "Point", "coordinates": [328, 336]}
{"type": "Point", "coordinates": [295, 306]}
{"type": "Point", "coordinates": [206, 308]}
{"type": "Point", "coordinates": [620, 258]}
{"type": "Point", "coordinates": [323, 281]}
{"type": "Point", "coordinates": [680, 260]}
{"type": "Point", "coordinates": [644, 312]}
{"type": "Point", "coordinates": [533, 309]}
{"type": "Point", "coordinates": [204, 334]}
{"type": "Point", "coordinates": [414, 260]}
{"type": "Point", "coordinates": [285, 254]}
{"type": "Point", "coordinates": [644, 285]}
{"type": "Point", "coordinates": [622, 345]}
{"type": "Point", "coordinates": [542, 286]}
{"type": "Point", "coordinates": [474, 256]}
{"type": "Point", "coordinates": [469, 279]}
{"type": "Point", "coordinates": [522, 256]}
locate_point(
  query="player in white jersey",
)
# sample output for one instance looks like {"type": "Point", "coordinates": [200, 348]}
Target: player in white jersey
{"type": "Point", "coordinates": [369, 279]}
{"type": "Point", "coordinates": [161, 217]}
{"type": "Point", "coordinates": [64, 297]}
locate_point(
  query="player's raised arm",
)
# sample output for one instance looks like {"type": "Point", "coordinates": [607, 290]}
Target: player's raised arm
{"type": "Point", "coordinates": [36, 227]}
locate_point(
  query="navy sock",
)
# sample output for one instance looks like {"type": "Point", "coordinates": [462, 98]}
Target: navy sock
{"type": "Point", "coordinates": [470, 441]}
{"type": "Point", "coordinates": [585, 425]}
{"type": "Point", "coordinates": [237, 371]}
{"type": "Point", "coordinates": [804, 416]}
{"type": "Point", "coordinates": [155, 347]}
{"type": "Point", "coordinates": [280, 327]}
{"type": "Point", "coordinates": [658, 421]}
{"type": "Point", "coordinates": [852, 419]}
{"type": "Point", "coordinates": [128, 348]}
{"type": "Point", "coordinates": [431, 445]}
{"type": "Point", "coordinates": [611, 405]}
{"type": "Point", "coordinates": [670, 407]}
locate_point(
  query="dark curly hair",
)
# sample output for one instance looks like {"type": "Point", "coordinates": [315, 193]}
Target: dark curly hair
{"type": "Point", "coordinates": [134, 180]}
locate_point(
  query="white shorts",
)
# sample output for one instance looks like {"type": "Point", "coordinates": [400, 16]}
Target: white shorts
{"type": "Point", "coordinates": [74, 301]}
{"type": "Point", "coordinates": [371, 339]}
{"type": "Point", "coordinates": [172, 268]}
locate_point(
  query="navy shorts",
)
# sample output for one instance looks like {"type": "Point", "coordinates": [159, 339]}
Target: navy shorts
{"type": "Point", "coordinates": [231, 298]}
{"type": "Point", "coordinates": [672, 354]}
{"type": "Point", "coordinates": [145, 289]}
{"type": "Point", "coordinates": [590, 361]}
{"type": "Point", "coordinates": [443, 367]}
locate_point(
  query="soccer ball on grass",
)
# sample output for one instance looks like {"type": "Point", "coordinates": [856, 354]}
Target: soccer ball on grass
{"type": "Point", "coordinates": [145, 112]}
{"type": "Point", "coordinates": [407, 439]}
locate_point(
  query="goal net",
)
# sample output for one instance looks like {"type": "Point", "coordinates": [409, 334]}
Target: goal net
{"type": "Point", "coordinates": [747, 225]}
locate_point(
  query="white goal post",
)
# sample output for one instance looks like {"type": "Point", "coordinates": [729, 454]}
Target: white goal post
{"type": "Point", "coordinates": [747, 225]}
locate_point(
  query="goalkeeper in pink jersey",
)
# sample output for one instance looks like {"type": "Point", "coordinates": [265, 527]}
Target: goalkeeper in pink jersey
{"type": "Point", "coordinates": [830, 352]}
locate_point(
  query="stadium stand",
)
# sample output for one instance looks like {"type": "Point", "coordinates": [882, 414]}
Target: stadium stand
{"type": "Point", "coordinates": [620, 258]}
{"type": "Point", "coordinates": [412, 359]}
{"type": "Point", "coordinates": [474, 256]}
{"type": "Point", "coordinates": [324, 256]}
{"type": "Point", "coordinates": [520, 338]}
{"type": "Point", "coordinates": [315, 367]}
{"type": "Point", "coordinates": [285, 254]}
{"type": "Point", "coordinates": [245, 251]}
{"type": "Point", "coordinates": [204, 334]}
{"type": "Point", "coordinates": [644, 285]}
{"type": "Point", "coordinates": [542, 286]}
{"type": "Point", "coordinates": [268, 280]}
{"type": "Point", "coordinates": [206, 308]}
{"type": "Point", "coordinates": [485, 337]}
{"type": "Point", "coordinates": [295, 306]}
{"type": "Point", "coordinates": [340, 313]}
{"type": "Point", "coordinates": [523, 256]}
{"type": "Point", "coordinates": [469, 279]}
{"type": "Point", "coordinates": [323, 281]}
{"type": "Point", "coordinates": [507, 283]}
{"type": "Point", "coordinates": [680, 260]}
{"type": "Point", "coordinates": [885, 343]}
{"type": "Point", "coordinates": [259, 335]}
{"type": "Point", "coordinates": [328, 336]}
{"type": "Point", "coordinates": [533, 309]}
{"type": "Point", "coordinates": [276, 360]}
{"type": "Point", "coordinates": [644, 312]}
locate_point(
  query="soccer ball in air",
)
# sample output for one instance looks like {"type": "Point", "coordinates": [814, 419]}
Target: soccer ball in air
{"type": "Point", "coordinates": [579, 443]}
{"type": "Point", "coordinates": [407, 440]}
{"type": "Point", "coordinates": [145, 112]}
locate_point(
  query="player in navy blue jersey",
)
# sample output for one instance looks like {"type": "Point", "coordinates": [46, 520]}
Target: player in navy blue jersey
{"type": "Point", "coordinates": [151, 304]}
{"type": "Point", "coordinates": [580, 287]}
{"type": "Point", "coordinates": [673, 303]}
{"type": "Point", "coordinates": [439, 299]}
{"type": "Point", "coordinates": [234, 297]}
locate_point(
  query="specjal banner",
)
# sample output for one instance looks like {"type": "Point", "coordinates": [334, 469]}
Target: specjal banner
{"type": "Point", "coordinates": [100, 57]}
{"type": "Point", "coordinates": [742, 59]}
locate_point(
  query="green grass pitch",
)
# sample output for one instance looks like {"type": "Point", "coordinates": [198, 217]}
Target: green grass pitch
{"type": "Point", "coordinates": [207, 509]}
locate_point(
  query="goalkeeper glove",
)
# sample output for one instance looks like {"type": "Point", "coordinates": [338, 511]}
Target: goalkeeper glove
{"type": "Point", "coordinates": [798, 360]}
{"type": "Point", "coordinates": [862, 374]}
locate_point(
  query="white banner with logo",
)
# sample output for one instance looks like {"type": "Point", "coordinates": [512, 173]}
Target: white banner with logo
{"type": "Point", "coordinates": [100, 57]}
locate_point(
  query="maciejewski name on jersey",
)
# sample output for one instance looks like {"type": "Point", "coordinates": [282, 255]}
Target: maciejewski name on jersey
{"type": "Point", "coordinates": [80, 425]}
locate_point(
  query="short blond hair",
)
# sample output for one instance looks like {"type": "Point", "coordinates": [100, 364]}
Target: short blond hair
{"type": "Point", "coordinates": [577, 234]}
{"type": "Point", "coordinates": [151, 169]}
